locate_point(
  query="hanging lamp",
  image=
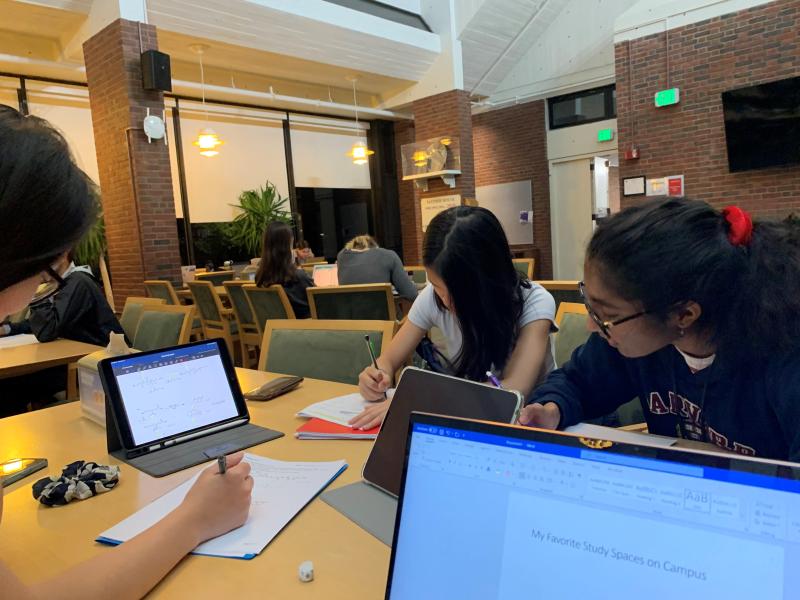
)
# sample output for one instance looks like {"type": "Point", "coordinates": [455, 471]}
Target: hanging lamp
{"type": "Point", "coordinates": [360, 152]}
{"type": "Point", "coordinates": [207, 139]}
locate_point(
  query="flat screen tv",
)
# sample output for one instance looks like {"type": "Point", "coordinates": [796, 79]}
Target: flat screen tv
{"type": "Point", "coordinates": [762, 125]}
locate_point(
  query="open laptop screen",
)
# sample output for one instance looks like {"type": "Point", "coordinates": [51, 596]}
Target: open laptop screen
{"type": "Point", "coordinates": [498, 512]}
{"type": "Point", "coordinates": [169, 392]}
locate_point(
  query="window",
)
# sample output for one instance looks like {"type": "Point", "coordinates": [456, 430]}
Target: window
{"type": "Point", "coordinates": [582, 107]}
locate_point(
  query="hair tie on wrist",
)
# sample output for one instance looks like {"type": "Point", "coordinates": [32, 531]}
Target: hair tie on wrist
{"type": "Point", "coordinates": [740, 230]}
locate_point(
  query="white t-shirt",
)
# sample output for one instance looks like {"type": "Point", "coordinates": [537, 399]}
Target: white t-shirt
{"type": "Point", "coordinates": [538, 304]}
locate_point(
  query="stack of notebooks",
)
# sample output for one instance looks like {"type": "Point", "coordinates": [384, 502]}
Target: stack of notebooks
{"type": "Point", "coordinates": [328, 420]}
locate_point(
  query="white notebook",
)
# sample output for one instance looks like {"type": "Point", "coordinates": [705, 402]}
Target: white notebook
{"type": "Point", "coordinates": [281, 490]}
{"type": "Point", "coordinates": [22, 339]}
{"type": "Point", "coordinates": [340, 409]}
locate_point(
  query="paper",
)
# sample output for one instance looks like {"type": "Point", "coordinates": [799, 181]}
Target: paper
{"type": "Point", "coordinates": [620, 435]}
{"type": "Point", "coordinates": [340, 409]}
{"type": "Point", "coordinates": [23, 339]}
{"type": "Point", "coordinates": [281, 490]}
{"type": "Point", "coordinates": [317, 429]}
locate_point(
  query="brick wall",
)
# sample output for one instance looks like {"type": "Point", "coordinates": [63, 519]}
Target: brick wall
{"type": "Point", "coordinates": [410, 219]}
{"type": "Point", "coordinates": [135, 177]}
{"type": "Point", "coordinates": [736, 50]}
{"type": "Point", "coordinates": [510, 144]}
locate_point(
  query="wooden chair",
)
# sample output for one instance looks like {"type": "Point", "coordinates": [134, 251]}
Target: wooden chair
{"type": "Point", "coordinates": [524, 266]}
{"type": "Point", "coordinates": [216, 277]}
{"type": "Point", "coordinates": [160, 288]}
{"type": "Point", "coordinates": [562, 291]}
{"type": "Point", "coordinates": [372, 301]}
{"type": "Point", "coordinates": [417, 273]}
{"type": "Point", "coordinates": [268, 303]}
{"type": "Point", "coordinates": [217, 321]}
{"type": "Point", "coordinates": [132, 313]}
{"type": "Point", "coordinates": [249, 336]}
{"type": "Point", "coordinates": [572, 331]}
{"type": "Point", "coordinates": [330, 350]}
{"type": "Point", "coordinates": [162, 326]}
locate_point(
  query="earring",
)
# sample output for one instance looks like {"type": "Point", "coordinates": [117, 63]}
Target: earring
{"type": "Point", "coordinates": [681, 331]}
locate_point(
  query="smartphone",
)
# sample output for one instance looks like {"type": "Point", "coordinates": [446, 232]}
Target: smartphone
{"type": "Point", "coordinates": [14, 470]}
{"type": "Point", "coordinates": [273, 389]}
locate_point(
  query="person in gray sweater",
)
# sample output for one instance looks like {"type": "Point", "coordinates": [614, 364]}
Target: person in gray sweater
{"type": "Point", "coordinates": [363, 261]}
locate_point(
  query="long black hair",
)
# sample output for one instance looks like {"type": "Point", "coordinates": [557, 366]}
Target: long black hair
{"type": "Point", "coordinates": [47, 203]}
{"type": "Point", "coordinates": [467, 247]}
{"type": "Point", "coordinates": [663, 253]}
{"type": "Point", "coordinates": [277, 261]}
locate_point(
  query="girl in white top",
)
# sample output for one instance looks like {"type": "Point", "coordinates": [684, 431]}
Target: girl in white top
{"type": "Point", "coordinates": [492, 318]}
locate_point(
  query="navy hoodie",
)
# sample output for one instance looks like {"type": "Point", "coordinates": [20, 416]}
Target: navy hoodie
{"type": "Point", "coordinates": [753, 411]}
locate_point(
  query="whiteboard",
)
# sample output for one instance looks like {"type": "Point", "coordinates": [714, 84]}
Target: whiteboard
{"type": "Point", "coordinates": [506, 201]}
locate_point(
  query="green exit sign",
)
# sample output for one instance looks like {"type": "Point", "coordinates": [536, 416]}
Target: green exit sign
{"type": "Point", "coordinates": [668, 97]}
{"type": "Point", "coordinates": [605, 135]}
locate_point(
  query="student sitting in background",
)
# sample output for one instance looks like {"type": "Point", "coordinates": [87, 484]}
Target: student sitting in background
{"type": "Point", "coordinates": [77, 310]}
{"type": "Point", "coordinates": [278, 267]}
{"type": "Point", "coordinates": [696, 312]}
{"type": "Point", "coordinates": [302, 252]}
{"type": "Point", "coordinates": [48, 201]}
{"type": "Point", "coordinates": [493, 318]}
{"type": "Point", "coordinates": [363, 261]}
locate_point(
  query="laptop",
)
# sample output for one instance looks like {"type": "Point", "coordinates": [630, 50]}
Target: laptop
{"type": "Point", "coordinates": [173, 408]}
{"type": "Point", "coordinates": [493, 511]}
{"type": "Point", "coordinates": [431, 392]}
{"type": "Point", "coordinates": [325, 275]}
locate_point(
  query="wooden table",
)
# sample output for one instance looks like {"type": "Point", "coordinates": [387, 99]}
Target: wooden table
{"type": "Point", "coordinates": [38, 542]}
{"type": "Point", "coordinates": [19, 360]}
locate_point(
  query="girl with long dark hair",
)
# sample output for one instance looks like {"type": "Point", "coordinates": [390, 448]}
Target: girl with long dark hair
{"type": "Point", "coordinates": [46, 204]}
{"type": "Point", "coordinates": [278, 267]}
{"type": "Point", "coordinates": [697, 312]}
{"type": "Point", "coordinates": [492, 318]}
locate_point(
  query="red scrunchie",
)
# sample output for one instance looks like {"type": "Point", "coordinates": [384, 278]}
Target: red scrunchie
{"type": "Point", "coordinates": [741, 225]}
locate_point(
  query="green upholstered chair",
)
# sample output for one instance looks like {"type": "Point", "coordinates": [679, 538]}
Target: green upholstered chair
{"type": "Point", "coordinates": [372, 302]}
{"type": "Point", "coordinates": [132, 312]}
{"type": "Point", "coordinates": [159, 288]}
{"type": "Point", "coordinates": [268, 303]}
{"type": "Point", "coordinates": [572, 330]}
{"type": "Point", "coordinates": [417, 274]}
{"type": "Point", "coordinates": [216, 277]}
{"type": "Point", "coordinates": [524, 266]}
{"type": "Point", "coordinates": [562, 291]}
{"type": "Point", "coordinates": [249, 337]}
{"type": "Point", "coordinates": [331, 350]}
{"type": "Point", "coordinates": [217, 321]}
{"type": "Point", "coordinates": [163, 326]}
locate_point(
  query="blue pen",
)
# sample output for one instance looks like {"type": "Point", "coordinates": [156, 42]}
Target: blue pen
{"type": "Point", "coordinates": [494, 380]}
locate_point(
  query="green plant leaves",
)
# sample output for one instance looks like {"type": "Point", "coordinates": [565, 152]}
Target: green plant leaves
{"type": "Point", "coordinates": [258, 208]}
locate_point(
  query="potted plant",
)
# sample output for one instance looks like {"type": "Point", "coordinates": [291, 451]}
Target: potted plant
{"type": "Point", "coordinates": [258, 208]}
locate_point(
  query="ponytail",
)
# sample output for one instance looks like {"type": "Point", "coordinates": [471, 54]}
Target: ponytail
{"type": "Point", "coordinates": [744, 275]}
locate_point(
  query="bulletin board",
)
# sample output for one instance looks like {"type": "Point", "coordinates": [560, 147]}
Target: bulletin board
{"type": "Point", "coordinates": [507, 201]}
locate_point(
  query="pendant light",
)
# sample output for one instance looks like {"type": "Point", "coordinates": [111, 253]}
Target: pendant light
{"type": "Point", "coordinates": [207, 139]}
{"type": "Point", "coordinates": [360, 151]}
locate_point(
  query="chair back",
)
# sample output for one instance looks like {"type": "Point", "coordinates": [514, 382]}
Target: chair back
{"type": "Point", "coordinates": [207, 301]}
{"type": "Point", "coordinates": [216, 277]}
{"type": "Point", "coordinates": [524, 266]}
{"type": "Point", "coordinates": [572, 331]}
{"type": "Point", "coordinates": [562, 291]}
{"type": "Point", "coordinates": [417, 274]}
{"type": "Point", "coordinates": [132, 312]}
{"type": "Point", "coordinates": [329, 350]}
{"type": "Point", "coordinates": [163, 326]}
{"type": "Point", "coordinates": [370, 302]}
{"type": "Point", "coordinates": [241, 307]}
{"type": "Point", "coordinates": [158, 288]}
{"type": "Point", "coordinates": [267, 303]}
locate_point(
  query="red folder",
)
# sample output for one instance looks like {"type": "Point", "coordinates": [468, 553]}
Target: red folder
{"type": "Point", "coordinates": [317, 429]}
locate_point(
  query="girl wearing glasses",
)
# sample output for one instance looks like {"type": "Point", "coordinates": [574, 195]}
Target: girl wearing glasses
{"type": "Point", "coordinates": [492, 318]}
{"type": "Point", "coordinates": [697, 312]}
{"type": "Point", "coordinates": [46, 200]}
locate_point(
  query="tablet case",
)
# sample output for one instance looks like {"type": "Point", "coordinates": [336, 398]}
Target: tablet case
{"type": "Point", "coordinates": [186, 454]}
{"type": "Point", "coordinates": [367, 506]}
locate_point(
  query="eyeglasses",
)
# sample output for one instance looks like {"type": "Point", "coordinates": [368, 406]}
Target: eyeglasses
{"type": "Point", "coordinates": [605, 326]}
{"type": "Point", "coordinates": [52, 282]}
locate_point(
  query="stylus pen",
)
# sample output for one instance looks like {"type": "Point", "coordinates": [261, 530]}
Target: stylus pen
{"type": "Point", "coordinates": [222, 463]}
{"type": "Point", "coordinates": [374, 360]}
{"type": "Point", "coordinates": [495, 381]}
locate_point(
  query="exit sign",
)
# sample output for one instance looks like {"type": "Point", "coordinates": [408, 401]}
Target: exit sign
{"type": "Point", "coordinates": [668, 97]}
{"type": "Point", "coordinates": [605, 135]}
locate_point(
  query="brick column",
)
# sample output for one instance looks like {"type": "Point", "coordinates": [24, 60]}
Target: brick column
{"type": "Point", "coordinates": [448, 113]}
{"type": "Point", "coordinates": [135, 178]}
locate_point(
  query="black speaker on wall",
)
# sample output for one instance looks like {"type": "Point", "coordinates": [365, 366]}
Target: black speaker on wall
{"type": "Point", "coordinates": [156, 73]}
